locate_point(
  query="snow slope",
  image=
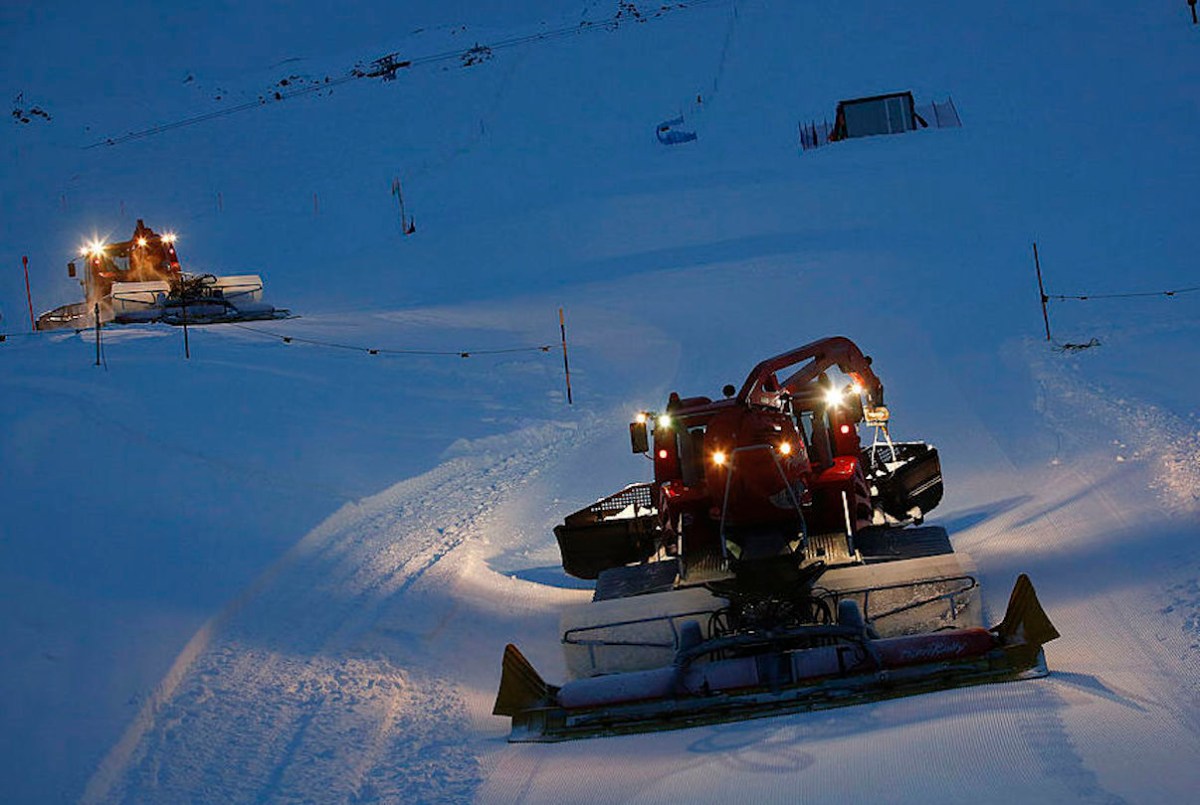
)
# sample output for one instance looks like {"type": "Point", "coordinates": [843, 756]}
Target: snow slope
{"type": "Point", "coordinates": [284, 572]}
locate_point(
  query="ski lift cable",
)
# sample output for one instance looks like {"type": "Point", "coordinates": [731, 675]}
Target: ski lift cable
{"type": "Point", "coordinates": [729, 32]}
{"type": "Point", "coordinates": [448, 153]}
{"type": "Point", "coordinates": [388, 64]}
{"type": "Point", "coordinates": [1131, 295]}
{"type": "Point", "coordinates": [216, 113]}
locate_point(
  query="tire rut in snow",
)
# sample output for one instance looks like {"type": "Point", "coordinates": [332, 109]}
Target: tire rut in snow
{"type": "Point", "coordinates": [294, 696]}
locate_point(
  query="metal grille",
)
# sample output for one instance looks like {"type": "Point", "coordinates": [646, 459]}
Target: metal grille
{"type": "Point", "coordinates": [640, 496]}
{"type": "Point", "coordinates": [832, 549]}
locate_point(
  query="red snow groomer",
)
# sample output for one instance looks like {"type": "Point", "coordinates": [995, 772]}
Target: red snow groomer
{"type": "Point", "coordinates": [774, 564]}
{"type": "Point", "coordinates": [775, 469]}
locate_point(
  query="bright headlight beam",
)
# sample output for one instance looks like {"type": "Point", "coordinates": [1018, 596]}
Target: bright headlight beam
{"type": "Point", "coordinates": [719, 458]}
{"type": "Point", "coordinates": [664, 421]}
{"type": "Point", "coordinates": [833, 397]}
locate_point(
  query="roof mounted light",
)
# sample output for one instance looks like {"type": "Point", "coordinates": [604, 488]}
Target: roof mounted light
{"type": "Point", "coordinates": [833, 397]}
{"type": "Point", "coordinates": [664, 421]}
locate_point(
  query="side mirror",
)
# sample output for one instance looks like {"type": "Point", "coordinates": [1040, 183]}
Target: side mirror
{"type": "Point", "coordinates": [639, 437]}
{"type": "Point", "coordinates": [71, 269]}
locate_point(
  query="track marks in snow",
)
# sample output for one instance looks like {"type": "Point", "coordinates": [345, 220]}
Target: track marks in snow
{"type": "Point", "coordinates": [1130, 429]}
{"type": "Point", "coordinates": [1181, 638]}
{"type": "Point", "coordinates": [297, 689]}
{"type": "Point", "coordinates": [1046, 735]}
{"type": "Point", "coordinates": [1184, 603]}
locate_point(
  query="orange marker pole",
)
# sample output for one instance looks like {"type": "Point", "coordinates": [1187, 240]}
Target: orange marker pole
{"type": "Point", "coordinates": [562, 326]}
{"type": "Point", "coordinates": [28, 295]}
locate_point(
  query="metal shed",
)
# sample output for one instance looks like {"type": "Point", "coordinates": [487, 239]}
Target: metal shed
{"type": "Point", "coordinates": [878, 114]}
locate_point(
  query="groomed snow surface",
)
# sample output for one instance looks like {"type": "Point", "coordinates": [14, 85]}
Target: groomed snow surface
{"type": "Point", "coordinates": [286, 572]}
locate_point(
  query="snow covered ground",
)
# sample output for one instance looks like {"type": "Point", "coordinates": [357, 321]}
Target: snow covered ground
{"type": "Point", "coordinates": [286, 572]}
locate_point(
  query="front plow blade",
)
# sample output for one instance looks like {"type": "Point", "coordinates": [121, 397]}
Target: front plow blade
{"type": "Point", "coordinates": [753, 676]}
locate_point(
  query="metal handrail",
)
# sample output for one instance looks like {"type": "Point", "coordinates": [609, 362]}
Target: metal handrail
{"type": "Point", "coordinates": [882, 426]}
{"type": "Point", "coordinates": [569, 635]}
{"type": "Point", "coordinates": [969, 583]}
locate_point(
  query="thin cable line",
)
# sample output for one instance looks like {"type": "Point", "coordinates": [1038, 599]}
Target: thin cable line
{"type": "Point", "coordinates": [463, 353]}
{"type": "Point", "coordinates": [287, 339]}
{"type": "Point", "coordinates": [1085, 297]}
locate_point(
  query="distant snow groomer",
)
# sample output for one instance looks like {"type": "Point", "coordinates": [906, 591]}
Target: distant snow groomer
{"type": "Point", "coordinates": [771, 566]}
{"type": "Point", "coordinates": [140, 280]}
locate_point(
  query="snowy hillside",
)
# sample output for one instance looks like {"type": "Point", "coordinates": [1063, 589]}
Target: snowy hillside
{"type": "Point", "coordinates": [287, 571]}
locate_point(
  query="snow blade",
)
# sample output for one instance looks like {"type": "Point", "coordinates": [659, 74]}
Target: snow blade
{"type": "Point", "coordinates": [521, 687]}
{"type": "Point", "coordinates": [791, 669]}
{"type": "Point", "coordinates": [1025, 621]}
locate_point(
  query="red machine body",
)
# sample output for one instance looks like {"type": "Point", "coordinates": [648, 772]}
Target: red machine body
{"type": "Point", "coordinates": [781, 457]}
{"type": "Point", "coordinates": [774, 470]}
